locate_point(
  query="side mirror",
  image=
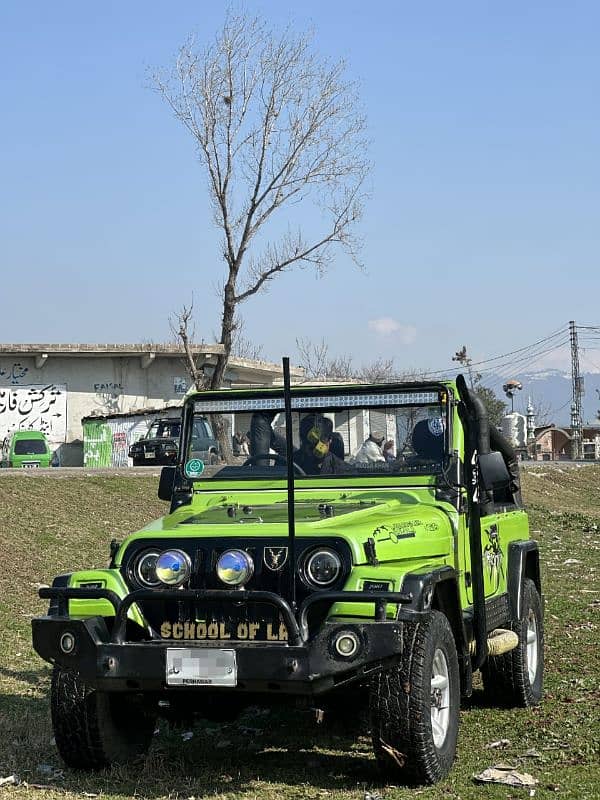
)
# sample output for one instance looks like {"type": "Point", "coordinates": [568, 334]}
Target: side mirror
{"type": "Point", "coordinates": [494, 472]}
{"type": "Point", "coordinates": [166, 483]}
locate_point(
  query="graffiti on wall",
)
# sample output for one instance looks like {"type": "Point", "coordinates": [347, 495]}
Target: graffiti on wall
{"type": "Point", "coordinates": [179, 385]}
{"type": "Point", "coordinates": [106, 443]}
{"type": "Point", "coordinates": [97, 444]}
{"type": "Point", "coordinates": [108, 396]}
{"type": "Point", "coordinates": [113, 388]}
{"type": "Point", "coordinates": [34, 408]}
{"type": "Point", "coordinates": [14, 374]}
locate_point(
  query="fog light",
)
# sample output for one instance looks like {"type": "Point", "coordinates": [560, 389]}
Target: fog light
{"type": "Point", "coordinates": [347, 644]}
{"type": "Point", "coordinates": [235, 567]}
{"type": "Point", "coordinates": [67, 643]}
{"type": "Point", "coordinates": [173, 567]}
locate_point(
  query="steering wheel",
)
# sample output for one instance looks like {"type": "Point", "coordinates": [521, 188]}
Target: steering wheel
{"type": "Point", "coordinates": [276, 458]}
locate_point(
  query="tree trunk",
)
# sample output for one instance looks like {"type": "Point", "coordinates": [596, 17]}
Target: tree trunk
{"type": "Point", "coordinates": [218, 375]}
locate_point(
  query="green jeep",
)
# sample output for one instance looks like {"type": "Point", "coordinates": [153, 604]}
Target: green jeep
{"type": "Point", "coordinates": [337, 573]}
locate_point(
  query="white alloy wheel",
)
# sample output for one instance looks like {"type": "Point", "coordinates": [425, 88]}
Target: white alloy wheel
{"type": "Point", "coordinates": [532, 647]}
{"type": "Point", "coordinates": [440, 698]}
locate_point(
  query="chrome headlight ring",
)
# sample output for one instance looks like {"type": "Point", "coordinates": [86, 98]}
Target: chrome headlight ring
{"type": "Point", "coordinates": [321, 568]}
{"type": "Point", "coordinates": [143, 569]}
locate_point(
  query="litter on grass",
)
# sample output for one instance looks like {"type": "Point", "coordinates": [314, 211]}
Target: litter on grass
{"type": "Point", "coordinates": [507, 775]}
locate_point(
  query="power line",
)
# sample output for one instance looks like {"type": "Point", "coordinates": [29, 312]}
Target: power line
{"type": "Point", "coordinates": [503, 371]}
{"type": "Point", "coordinates": [563, 330]}
{"type": "Point", "coordinates": [449, 371]}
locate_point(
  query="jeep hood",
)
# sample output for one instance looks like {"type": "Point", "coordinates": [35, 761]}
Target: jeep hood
{"type": "Point", "coordinates": [402, 524]}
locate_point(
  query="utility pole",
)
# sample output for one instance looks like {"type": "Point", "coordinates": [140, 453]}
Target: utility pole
{"type": "Point", "coordinates": [531, 429]}
{"type": "Point", "coordinates": [577, 394]}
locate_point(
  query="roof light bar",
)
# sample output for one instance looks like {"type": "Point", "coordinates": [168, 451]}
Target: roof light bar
{"type": "Point", "coordinates": [315, 402]}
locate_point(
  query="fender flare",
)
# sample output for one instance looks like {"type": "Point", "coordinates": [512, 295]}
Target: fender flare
{"type": "Point", "coordinates": [438, 589]}
{"type": "Point", "coordinates": [421, 585]}
{"type": "Point", "coordinates": [523, 562]}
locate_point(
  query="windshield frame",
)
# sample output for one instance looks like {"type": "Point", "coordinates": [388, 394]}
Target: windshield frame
{"type": "Point", "coordinates": [232, 397]}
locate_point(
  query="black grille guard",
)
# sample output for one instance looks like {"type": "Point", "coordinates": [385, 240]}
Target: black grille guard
{"type": "Point", "coordinates": [297, 629]}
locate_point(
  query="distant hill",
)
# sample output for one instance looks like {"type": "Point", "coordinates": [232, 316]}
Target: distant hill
{"type": "Point", "coordinates": [553, 387]}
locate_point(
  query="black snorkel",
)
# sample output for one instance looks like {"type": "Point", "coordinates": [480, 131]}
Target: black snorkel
{"type": "Point", "coordinates": [477, 442]}
{"type": "Point", "coordinates": [289, 442]}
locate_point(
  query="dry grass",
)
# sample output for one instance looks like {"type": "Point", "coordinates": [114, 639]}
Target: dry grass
{"type": "Point", "coordinates": [50, 526]}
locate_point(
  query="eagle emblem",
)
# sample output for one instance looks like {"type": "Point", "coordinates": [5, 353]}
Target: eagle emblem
{"type": "Point", "coordinates": [275, 557]}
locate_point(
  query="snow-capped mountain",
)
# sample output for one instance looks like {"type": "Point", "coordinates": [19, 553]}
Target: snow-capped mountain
{"type": "Point", "coordinates": [550, 390]}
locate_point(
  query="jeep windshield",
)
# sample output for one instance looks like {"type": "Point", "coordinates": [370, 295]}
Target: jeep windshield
{"type": "Point", "coordinates": [164, 429]}
{"type": "Point", "coordinates": [393, 432]}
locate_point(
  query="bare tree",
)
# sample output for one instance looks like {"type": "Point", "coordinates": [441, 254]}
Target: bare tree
{"type": "Point", "coordinates": [180, 328]}
{"type": "Point", "coordinates": [242, 346]}
{"type": "Point", "coordinates": [543, 412]}
{"type": "Point", "coordinates": [314, 358]}
{"type": "Point", "coordinates": [276, 127]}
{"type": "Point", "coordinates": [318, 364]}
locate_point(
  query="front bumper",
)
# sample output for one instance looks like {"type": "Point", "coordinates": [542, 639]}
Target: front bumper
{"type": "Point", "coordinates": [305, 665]}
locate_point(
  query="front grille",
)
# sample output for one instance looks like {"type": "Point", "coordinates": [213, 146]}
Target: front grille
{"type": "Point", "coordinates": [204, 554]}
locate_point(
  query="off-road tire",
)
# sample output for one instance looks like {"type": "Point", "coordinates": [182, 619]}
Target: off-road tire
{"type": "Point", "coordinates": [138, 462]}
{"type": "Point", "coordinates": [506, 679]}
{"type": "Point", "coordinates": [94, 729]}
{"type": "Point", "coordinates": [400, 706]}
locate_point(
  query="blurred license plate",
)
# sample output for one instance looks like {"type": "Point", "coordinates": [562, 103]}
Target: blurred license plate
{"type": "Point", "coordinates": [148, 455]}
{"type": "Point", "coordinates": [31, 464]}
{"type": "Point", "coordinates": [201, 667]}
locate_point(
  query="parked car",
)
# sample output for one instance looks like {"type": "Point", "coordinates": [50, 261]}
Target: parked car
{"type": "Point", "coordinates": [27, 449]}
{"type": "Point", "coordinates": [160, 445]}
{"type": "Point", "coordinates": [311, 576]}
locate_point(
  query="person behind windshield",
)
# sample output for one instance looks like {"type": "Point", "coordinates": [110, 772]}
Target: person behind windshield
{"type": "Point", "coordinates": [428, 442]}
{"type": "Point", "coordinates": [317, 445]}
{"type": "Point", "coordinates": [389, 450]}
{"type": "Point", "coordinates": [370, 451]}
{"type": "Point", "coordinates": [263, 438]}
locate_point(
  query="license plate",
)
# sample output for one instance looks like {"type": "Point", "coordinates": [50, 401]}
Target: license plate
{"type": "Point", "coordinates": [201, 667]}
{"type": "Point", "coordinates": [31, 464]}
{"type": "Point", "coordinates": [148, 455]}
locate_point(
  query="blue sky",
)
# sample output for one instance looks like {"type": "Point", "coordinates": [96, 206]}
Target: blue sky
{"type": "Point", "coordinates": [483, 228]}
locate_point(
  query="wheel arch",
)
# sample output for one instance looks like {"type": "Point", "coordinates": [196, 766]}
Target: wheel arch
{"type": "Point", "coordinates": [523, 563]}
{"type": "Point", "coordinates": [437, 590]}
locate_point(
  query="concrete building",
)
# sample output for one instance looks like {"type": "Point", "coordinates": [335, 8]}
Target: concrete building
{"type": "Point", "coordinates": [555, 444]}
{"type": "Point", "coordinates": [51, 387]}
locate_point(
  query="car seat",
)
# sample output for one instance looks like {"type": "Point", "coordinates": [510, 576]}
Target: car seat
{"type": "Point", "coordinates": [336, 445]}
{"type": "Point", "coordinates": [428, 439]}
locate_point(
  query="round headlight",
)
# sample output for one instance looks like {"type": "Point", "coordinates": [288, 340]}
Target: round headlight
{"type": "Point", "coordinates": [323, 567]}
{"type": "Point", "coordinates": [173, 567]}
{"type": "Point", "coordinates": [144, 569]}
{"type": "Point", "coordinates": [235, 567]}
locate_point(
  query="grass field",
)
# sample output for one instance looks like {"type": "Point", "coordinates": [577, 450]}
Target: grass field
{"type": "Point", "coordinates": [52, 525]}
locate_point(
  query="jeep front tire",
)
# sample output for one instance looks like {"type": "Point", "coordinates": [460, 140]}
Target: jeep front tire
{"type": "Point", "coordinates": [414, 705]}
{"type": "Point", "coordinates": [94, 729]}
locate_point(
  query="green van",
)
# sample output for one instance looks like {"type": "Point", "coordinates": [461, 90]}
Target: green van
{"type": "Point", "coordinates": [26, 449]}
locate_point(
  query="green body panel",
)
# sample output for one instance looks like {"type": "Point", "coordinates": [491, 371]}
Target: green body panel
{"type": "Point", "coordinates": [107, 579]}
{"type": "Point", "coordinates": [498, 530]}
